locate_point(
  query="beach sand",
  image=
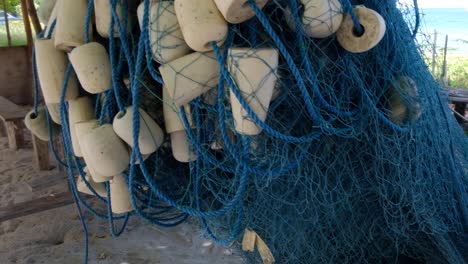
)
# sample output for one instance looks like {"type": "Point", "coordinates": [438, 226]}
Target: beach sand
{"type": "Point", "coordinates": [56, 236]}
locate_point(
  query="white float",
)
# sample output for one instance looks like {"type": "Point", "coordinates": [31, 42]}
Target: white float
{"type": "Point", "coordinates": [150, 136]}
{"type": "Point", "coordinates": [167, 41]}
{"type": "Point", "coordinates": [92, 66]}
{"type": "Point", "coordinates": [105, 151]}
{"type": "Point", "coordinates": [69, 29]}
{"type": "Point", "coordinates": [37, 124]}
{"type": "Point", "coordinates": [237, 11]}
{"type": "Point", "coordinates": [51, 67]}
{"type": "Point", "coordinates": [120, 195]}
{"type": "Point", "coordinates": [255, 73]}
{"type": "Point", "coordinates": [201, 23]}
{"type": "Point", "coordinates": [79, 110]}
{"type": "Point", "coordinates": [190, 76]}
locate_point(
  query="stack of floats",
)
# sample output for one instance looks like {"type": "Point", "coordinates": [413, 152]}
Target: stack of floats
{"type": "Point", "coordinates": [249, 102]}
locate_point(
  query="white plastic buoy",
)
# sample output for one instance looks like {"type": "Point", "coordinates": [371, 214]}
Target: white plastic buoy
{"type": "Point", "coordinates": [150, 136]}
{"type": "Point", "coordinates": [201, 23]}
{"type": "Point", "coordinates": [99, 188]}
{"type": "Point", "coordinates": [237, 11]}
{"type": "Point", "coordinates": [102, 11]}
{"type": "Point", "coordinates": [175, 127]}
{"type": "Point", "coordinates": [120, 195]}
{"type": "Point", "coordinates": [105, 151]}
{"type": "Point", "coordinates": [190, 76]}
{"type": "Point", "coordinates": [403, 99]}
{"type": "Point", "coordinates": [321, 18]}
{"type": "Point", "coordinates": [254, 72]}
{"type": "Point", "coordinates": [54, 112]}
{"type": "Point", "coordinates": [45, 10]}
{"type": "Point", "coordinates": [37, 124]}
{"type": "Point", "coordinates": [79, 110]}
{"type": "Point", "coordinates": [81, 129]}
{"type": "Point", "coordinates": [167, 41]}
{"type": "Point", "coordinates": [69, 29]}
{"type": "Point", "coordinates": [92, 66]}
{"type": "Point", "coordinates": [373, 26]}
{"type": "Point", "coordinates": [51, 67]}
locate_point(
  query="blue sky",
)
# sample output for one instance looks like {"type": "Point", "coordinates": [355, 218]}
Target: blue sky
{"type": "Point", "coordinates": [441, 3]}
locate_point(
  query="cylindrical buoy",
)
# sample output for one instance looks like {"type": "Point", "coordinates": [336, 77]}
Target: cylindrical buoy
{"type": "Point", "coordinates": [99, 188]}
{"type": "Point", "coordinates": [320, 19]}
{"type": "Point", "coordinates": [54, 112]}
{"type": "Point", "coordinates": [108, 154]}
{"type": "Point", "coordinates": [51, 67]}
{"type": "Point", "coordinates": [254, 71]}
{"type": "Point", "coordinates": [70, 26]}
{"type": "Point", "coordinates": [81, 129]}
{"type": "Point", "coordinates": [373, 26]}
{"type": "Point", "coordinates": [79, 110]}
{"type": "Point", "coordinates": [175, 127]}
{"type": "Point", "coordinates": [237, 11]}
{"type": "Point", "coordinates": [190, 76]}
{"type": "Point", "coordinates": [50, 28]}
{"type": "Point", "coordinates": [201, 23]}
{"type": "Point", "coordinates": [92, 66]}
{"type": "Point", "coordinates": [167, 41]}
{"type": "Point", "coordinates": [150, 135]}
{"type": "Point", "coordinates": [102, 11]}
{"type": "Point", "coordinates": [120, 195]}
{"type": "Point", "coordinates": [37, 124]}
{"type": "Point", "coordinates": [45, 10]}
{"type": "Point", "coordinates": [181, 149]}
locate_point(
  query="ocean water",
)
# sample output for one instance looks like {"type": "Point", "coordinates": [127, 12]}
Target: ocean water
{"type": "Point", "coordinates": [447, 21]}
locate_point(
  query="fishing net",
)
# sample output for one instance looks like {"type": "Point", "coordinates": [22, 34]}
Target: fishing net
{"type": "Point", "coordinates": [359, 159]}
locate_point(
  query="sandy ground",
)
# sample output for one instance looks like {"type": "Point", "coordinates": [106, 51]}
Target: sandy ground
{"type": "Point", "coordinates": [56, 236]}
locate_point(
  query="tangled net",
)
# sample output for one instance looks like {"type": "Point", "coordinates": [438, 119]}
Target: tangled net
{"type": "Point", "coordinates": [338, 175]}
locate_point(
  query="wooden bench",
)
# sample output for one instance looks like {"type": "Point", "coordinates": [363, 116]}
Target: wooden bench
{"type": "Point", "coordinates": [459, 98]}
{"type": "Point", "coordinates": [12, 116]}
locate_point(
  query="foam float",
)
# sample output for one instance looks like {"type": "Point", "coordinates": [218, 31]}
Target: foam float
{"type": "Point", "coordinates": [92, 66]}
{"type": "Point", "coordinates": [150, 136]}
{"type": "Point", "coordinates": [37, 124]}
{"type": "Point", "coordinates": [120, 195]}
{"type": "Point", "coordinates": [181, 150]}
{"type": "Point", "coordinates": [105, 151]}
{"type": "Point", "coordinates": [51, 68]}
{"type": "Point", "coordinates": [99, 188]}
{"type": "Point", "coordinates": [254, 72]}
{"type": "Point", "coordinates": [79, 110]}
{"type": "Point", "coordinates": [237, 11]}
{"type": "Point", "coordinates": [70, 26]}
{"type": "Point", "coordinates": [201, 23]}
{"type": "Point", "coordinates": [190, 76]}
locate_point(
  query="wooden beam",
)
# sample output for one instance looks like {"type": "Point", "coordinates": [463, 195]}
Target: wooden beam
{"type": "Point", "coordinates": [35, 206]}
{"type": "Point", "coordinates": [41, 154]}
{"type": "Point", "coordinates": [33, 14]}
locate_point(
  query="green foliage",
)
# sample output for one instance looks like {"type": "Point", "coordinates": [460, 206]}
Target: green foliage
{"type": "Point", "coordinates": [10, 6]}
{"type": "Point", "coordinates": [18, 35]}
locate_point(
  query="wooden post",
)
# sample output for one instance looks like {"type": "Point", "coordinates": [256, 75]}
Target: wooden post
{"type": "Point", "coordinates": [434, 52]}
{"type": "Point", "coordinates": [33, 14]}
{"type": "Point", "coordinates": [7, 24]}
{"type": "Point", "coordinates": [27, 27]}
{"type": "Point", "coordinates": [15, 134]}
{"type": "Point", "coordinates": [444, 77]}
{"type": "Point", "coordinates": [41, 154]}
{"type": "Point", "coordinates": [461, 109]}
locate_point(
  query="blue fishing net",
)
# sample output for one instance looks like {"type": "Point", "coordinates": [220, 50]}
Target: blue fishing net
{"type": "Point", "coordinates": [359, 160]}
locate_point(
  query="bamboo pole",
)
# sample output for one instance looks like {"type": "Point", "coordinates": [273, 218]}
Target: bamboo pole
{"type": "Point", "coordinates": [434, 52]}
{"type": "Point", "coordinates": [27, 25]}
{"type": "Point", "coordinates": [444, 77]}
{"type": "Point", "coordinates": [7, 24]}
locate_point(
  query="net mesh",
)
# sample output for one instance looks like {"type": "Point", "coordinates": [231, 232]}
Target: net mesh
{"type": "Point", "coordinates": [359, 159]}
